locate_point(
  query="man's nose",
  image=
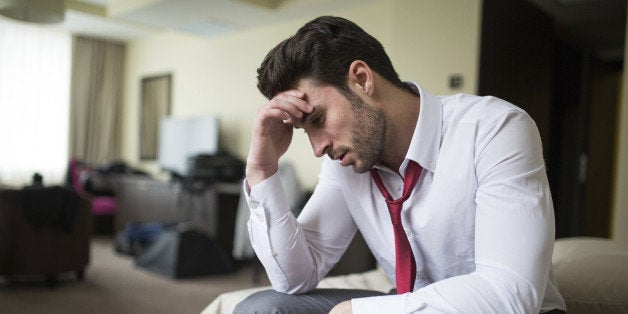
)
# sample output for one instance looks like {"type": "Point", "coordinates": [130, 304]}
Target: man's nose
{"type": "Point", "coordinates": [320, 144]}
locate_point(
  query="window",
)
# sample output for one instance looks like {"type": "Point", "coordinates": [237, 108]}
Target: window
{"type": "Point", "coordinates": [34, 102]}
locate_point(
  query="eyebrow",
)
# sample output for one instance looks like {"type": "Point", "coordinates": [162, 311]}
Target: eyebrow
{"type": "Point", "coordinates": [305, 116]}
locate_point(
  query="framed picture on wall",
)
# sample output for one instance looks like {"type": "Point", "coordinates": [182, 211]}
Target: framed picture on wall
{"type": "Point", "coordinates": [155, 101]}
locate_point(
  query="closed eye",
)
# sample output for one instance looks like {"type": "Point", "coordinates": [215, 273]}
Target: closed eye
{"type": "Point", "coordinates": [314, 119]}
{"type": "Point", "coordinates": [318, 119]}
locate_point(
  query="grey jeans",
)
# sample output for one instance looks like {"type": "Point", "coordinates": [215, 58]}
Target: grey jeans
{"type": "Point", "coordinates": [313, 302]}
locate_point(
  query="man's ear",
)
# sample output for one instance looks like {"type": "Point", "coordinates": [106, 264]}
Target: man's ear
{"type": "Point", "coordinates": [361, 77]}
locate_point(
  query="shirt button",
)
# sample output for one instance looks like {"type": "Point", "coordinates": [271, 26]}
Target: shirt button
{"type": "Point", "coordinates": [253, 205]}
{"type": "Point", "coordinates": [431, 164]}
{"type": "Point", "coordinates": [398, 187]}
{"type": "Point", "coordinates": [274, 254]}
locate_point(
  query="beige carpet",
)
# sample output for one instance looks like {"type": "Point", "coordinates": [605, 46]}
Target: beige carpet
{"type": "Point", "coordinates": [113, 284]}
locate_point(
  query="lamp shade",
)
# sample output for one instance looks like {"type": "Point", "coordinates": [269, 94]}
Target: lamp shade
{"type": "Point", "coordinates": [36, 11]}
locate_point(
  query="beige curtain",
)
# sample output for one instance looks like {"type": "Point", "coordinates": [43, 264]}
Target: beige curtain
{"type": "Point", "coordinates": [96, 99]}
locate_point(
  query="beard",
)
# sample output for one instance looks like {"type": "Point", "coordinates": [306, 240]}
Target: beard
{"type": "Point", "coordinates": [369, 129]}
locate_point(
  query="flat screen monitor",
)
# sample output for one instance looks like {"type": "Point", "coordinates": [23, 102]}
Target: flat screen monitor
{"type": "Point", "coordinates": [181, 138]}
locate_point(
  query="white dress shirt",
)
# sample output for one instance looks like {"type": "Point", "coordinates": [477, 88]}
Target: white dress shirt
{"type": "Point", "coordinates": [480, 220]}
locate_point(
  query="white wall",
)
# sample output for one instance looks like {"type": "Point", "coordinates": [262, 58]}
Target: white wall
{"type": "Point", "coordinates": [427, 40]}
{"type": "Point", "coordinates": [433, 39]}
{"type": "Point", "coordinates": [620, 210]}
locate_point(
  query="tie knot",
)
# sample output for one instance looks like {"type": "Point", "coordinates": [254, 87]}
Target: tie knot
{"type": "Point", "coordinates": [413, 171]}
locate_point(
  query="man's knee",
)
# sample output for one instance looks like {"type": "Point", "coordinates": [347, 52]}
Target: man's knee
{"type": "Point", "coordinates": [266, 301]}
{"type": "Point", "coordinates": [314, 302]}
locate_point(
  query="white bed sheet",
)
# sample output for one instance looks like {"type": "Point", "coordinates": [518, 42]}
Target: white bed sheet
{"type": "Point", "coordinates": [371, 280]}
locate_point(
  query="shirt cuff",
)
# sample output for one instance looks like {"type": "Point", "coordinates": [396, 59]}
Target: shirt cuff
{"type": "Point", "coordinates": [395, 303]}
{"type": "Point", "coordinates": [267, 199]}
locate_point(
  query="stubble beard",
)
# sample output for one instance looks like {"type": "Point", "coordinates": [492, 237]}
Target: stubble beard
{"type": "Point", "coordinates": [369, 129]}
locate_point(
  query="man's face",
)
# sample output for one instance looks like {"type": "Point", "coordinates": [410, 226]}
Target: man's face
{"type": "Point", "coordinates": [348, 130]}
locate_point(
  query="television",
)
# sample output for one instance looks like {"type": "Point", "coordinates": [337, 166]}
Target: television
{"type": "Point", "coordinates": [182, 138]}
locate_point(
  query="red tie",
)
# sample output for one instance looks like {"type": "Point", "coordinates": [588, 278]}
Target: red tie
{"type": "Point", "coordinates": [406, 266]}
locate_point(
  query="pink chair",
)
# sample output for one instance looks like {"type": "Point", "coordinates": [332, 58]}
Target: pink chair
{"type": "Point", "coordinates": [104, 208]}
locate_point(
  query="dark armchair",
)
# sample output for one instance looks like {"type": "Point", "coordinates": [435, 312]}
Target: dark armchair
{"type": "Point", "coordinates": [37, 238]}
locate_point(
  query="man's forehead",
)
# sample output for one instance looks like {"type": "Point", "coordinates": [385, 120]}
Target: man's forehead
{"type": "Point", "coordinates": [314, 92]}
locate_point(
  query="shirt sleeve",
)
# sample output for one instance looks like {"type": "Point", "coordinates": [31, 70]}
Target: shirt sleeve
{"type": "Point", "coordinates": [514, 232]}
{"type": "Point", "coordinates": [298, 253]}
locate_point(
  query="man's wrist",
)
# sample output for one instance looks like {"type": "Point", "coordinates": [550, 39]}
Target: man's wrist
{"type": "Point", "coordinates": [256, 175]}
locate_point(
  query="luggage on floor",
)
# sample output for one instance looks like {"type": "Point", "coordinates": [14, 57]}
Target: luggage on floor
{"type": "Point", "coordinates": [183, 253]}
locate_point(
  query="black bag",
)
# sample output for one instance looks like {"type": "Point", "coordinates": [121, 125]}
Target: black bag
{"type": "Point", "coordinates": [183, 254]}
{"type": "Point", "coordinates": [221, 167]}
{"type": "Point", "coordinates": [100, 181]}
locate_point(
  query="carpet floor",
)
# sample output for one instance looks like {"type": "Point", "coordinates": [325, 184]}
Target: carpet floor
{"type": "Point", "coordinates": [113, 284]}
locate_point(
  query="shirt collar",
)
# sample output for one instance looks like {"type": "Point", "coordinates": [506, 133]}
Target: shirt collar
{"type": "Point", "coordinates": [425, 145]}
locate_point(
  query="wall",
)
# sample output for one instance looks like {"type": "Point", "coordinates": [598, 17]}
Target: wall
{"type": "Point", "coordinates": [433, 39]}
{"type": "Point", "coordinates": [427, 40]}
{"type": "Point", "coordinates": [620, 211]}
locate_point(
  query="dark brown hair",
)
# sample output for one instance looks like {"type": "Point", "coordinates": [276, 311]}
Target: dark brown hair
{"type": "Point", "coordinates": [322, 50]}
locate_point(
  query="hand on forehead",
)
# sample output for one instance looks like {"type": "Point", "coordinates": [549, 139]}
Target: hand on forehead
{"type": "Point", "coordinates": [294, 106]}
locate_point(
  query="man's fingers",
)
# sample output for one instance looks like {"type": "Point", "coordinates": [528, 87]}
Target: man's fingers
{"type": "Point", "coordinates": [288, 102]}
{"type": "Point", "coordinates": [274, 115]}
{"type": "Point", "coordinates": [294, 92]}
{"type": "Point", "coordinates": [287, 119]}
{"type": "Point", "coordinates": [287, 107]}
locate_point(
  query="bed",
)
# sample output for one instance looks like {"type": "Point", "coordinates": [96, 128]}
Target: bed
{"type": "Point", "coordinates": [592, 275]}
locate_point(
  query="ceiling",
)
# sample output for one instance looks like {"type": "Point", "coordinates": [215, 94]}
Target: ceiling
{"type": "Point", "coordinates": [131, 19]}
{"type": "Point", "coordinates": [596, 25]}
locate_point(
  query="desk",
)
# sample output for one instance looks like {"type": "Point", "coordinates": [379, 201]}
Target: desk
{"type": "Point", "coordinates": [211, 207]}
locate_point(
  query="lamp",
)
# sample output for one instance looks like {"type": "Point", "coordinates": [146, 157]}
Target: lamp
{"type": "Point", "coordinates": [36, 11]}
{"type": "Point", "coordinates": [268, 4]}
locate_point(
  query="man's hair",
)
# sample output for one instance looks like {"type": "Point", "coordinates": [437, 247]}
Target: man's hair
{"type": "Point", "coordinates": [322, 50]}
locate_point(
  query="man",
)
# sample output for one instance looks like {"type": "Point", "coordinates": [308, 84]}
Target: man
{"type": "Point", "coordinates": [461, 178]}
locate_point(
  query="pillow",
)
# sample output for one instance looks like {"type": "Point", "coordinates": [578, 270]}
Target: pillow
{"type": "Point", "coordinates": [592, 274]}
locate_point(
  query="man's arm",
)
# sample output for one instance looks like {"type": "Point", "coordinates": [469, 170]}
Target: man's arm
{"type": "Point", "coordinates": [298, 253]}
{"type": "Point", "coordinates": [513, 238]}
{"type": "Point", "coordinates": [295, 254]}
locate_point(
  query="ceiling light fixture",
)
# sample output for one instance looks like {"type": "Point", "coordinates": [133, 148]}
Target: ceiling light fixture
{"type": "Point", "coordinates": [269, 4]}
{"type": "Point", "coordinates": [35, 11]}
